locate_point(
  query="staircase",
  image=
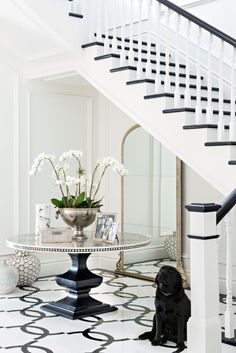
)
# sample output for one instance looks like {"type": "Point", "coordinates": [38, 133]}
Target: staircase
{"type": "Point", "coordinates": [169, 71]}
{"type": "Point", "coordinates": [187, 104]}
{"type": "Point", "coordinates": [174, 75]}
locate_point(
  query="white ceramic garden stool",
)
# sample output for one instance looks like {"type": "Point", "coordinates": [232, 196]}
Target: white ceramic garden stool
{"type": "Point", "coordinates": [28, 266]}
{"type": "Point", "coordinates": [8, 278]}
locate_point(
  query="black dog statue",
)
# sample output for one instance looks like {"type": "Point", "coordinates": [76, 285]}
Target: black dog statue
{"type": "Point", "coordinates": [172, 310]}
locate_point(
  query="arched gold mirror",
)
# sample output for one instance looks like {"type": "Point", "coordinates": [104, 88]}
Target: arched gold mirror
{"type": "Point", "coordinates": [150, 205]}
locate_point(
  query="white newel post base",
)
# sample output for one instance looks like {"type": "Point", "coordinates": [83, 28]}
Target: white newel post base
{"type": "Point", "coordinates": [204, 326]}
{"type": "Point", "coordinates": [203, 336]}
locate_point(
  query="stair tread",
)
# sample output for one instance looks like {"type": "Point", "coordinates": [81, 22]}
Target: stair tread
{"type": "Point", "coordinates": [193, 110]}
{"type": "Point", "coordinates": [134, 68]}
{"type": "Point", "coordinates": [143, 51]}
{"type": "Point", "coordinates": [142, 80]}
{"type": "Point", "coordinates": [152, 61]}
{"type": "Point", "coordinates": [72, 14]}
{"type": "Point", "coordinates": [107, 56]}
{"type": "Point", "coordinates": [182, 96]}
{"type": "Point", "coordinates": [91, 44]}
{"type": "Point", "coordinates": [220, 143]}
{"type": "Point", "coordinates": [203, 126]}
{"type": "Point", "coordinates": [133, 82]}
{"type": "Point", "coordinates": [159, 95]}
{"type": "Point", "coordinates": [123, 68]}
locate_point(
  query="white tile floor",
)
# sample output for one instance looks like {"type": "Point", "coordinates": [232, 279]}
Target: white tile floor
{"type": "Point", "coordinates": [24, 327]}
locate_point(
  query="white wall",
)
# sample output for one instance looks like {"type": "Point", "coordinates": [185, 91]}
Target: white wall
{"type": "Point", "coordinates": [52, 117]}
{"type": "Point", "coordinates": [8, 118]}
{"type": "Point", "coordinates": [219, 13]}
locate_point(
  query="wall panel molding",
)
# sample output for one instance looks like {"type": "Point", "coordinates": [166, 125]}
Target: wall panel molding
{"type": "Point", "coordinates": [55, 264]}
{"type": "Point", "coordinates": [16, 137]}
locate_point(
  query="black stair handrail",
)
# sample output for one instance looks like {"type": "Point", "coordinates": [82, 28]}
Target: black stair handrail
{"type": "Point", "coordinates": [228, 203]}
{"type": "Point", "coordinates": [213, 30]}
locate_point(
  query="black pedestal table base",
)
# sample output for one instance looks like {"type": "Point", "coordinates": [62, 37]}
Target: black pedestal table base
{"type": "Point", "coordinates": [78, 281]}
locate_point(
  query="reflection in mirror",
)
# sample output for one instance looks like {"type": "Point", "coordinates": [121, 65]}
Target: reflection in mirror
{"type": "Point", "coordinates": [150, 204]}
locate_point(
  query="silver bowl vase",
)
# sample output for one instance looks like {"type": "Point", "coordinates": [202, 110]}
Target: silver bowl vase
{"type": "Point", "coordinates": [78, 218]}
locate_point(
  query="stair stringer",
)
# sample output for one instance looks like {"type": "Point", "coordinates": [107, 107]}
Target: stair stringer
{"type": "Point", "coordinates": [188, 145]}
{"type": "Point", "coordinates": [209, 162]}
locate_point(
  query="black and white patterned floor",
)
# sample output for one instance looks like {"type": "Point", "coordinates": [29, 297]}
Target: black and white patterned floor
{"type": "Point", "coordinates": [24, 327]}
{"type": "Point", "coordinates": [148, 268]}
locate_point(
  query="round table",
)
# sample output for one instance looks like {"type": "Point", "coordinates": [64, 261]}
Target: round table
{"type": "Point", "coordinates": [78, 280]}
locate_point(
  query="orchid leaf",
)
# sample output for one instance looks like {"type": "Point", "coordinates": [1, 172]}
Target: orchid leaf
{"type": "Point", "coordinates": [79, 199]}
{"type": "Point", "coordinates": [57, 203]}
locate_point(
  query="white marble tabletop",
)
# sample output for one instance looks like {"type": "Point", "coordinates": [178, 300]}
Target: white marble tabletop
{"type": "Point", "coordinates": [31, 242]}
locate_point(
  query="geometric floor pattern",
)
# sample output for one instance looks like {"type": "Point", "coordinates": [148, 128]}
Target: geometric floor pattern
{"type": "Point", "coordinates": [24, 327]}
{"type": "Point", "coordinates": [148, 268]}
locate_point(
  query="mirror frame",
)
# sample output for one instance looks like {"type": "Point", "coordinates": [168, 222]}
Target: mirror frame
{"type": "Point", "coordinates": [120, 263]}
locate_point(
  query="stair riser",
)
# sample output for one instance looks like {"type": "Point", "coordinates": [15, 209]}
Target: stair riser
{"type": "Point", "coordinates": [227, 152]}
{"type": "Point", "coordinates": [205, 135]}
{"type": "Point", "coordinates": [144, 89]}
{"type": "Point", "coordinates": [191, 119]}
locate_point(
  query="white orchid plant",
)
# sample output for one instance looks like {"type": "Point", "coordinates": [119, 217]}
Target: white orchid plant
{"type": "Point", "coordinates": [77, 191]}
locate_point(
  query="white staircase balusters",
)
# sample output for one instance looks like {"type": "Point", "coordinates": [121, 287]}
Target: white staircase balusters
{"type": "Point", "coordinates": [167, 51]}
{"type": "Point", "coordinates": [177, 62]}
{"type": "Point", "coordinates": [149, 39]}
{"type": "Point", "coordinates": [90, 19]}
{"type": "Point", "coordinates": [74, 6]}
{"type": "Point", "coordinates": [98, 18]}
{"type": "Point", "coordinates": [158, 87]}
{"type": "Point", "coordinates": [122, 34]}
{"type": "Point", "coordinates": [114, 24]}
{"type": "Point", "coordinates": [140, 35]}
{"type": "Point", "coordinates": [232, 98]}
{"type": "Point", "coordinates": [221, 128]}
{"type": "Point", "coordinates": [229, 312]}
{"type": "Point", "coordinates": [187, 94]}
{"type": "Point", "coordinates": [105, 4]}
{"type": "Point", "coordinates": [198, 109]}
{"type": "Point", "coordinates": [71, 6]}
{"type": "Point", "coordinates": [209, 113]}
{"type": "Point", "coordinates": [131, 32]}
